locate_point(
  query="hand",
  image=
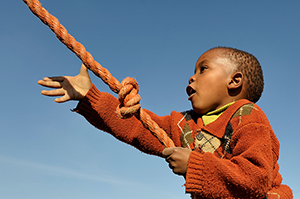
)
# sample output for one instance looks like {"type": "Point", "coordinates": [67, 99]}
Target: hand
{"type": "Point", "coordinates": [70, 88]}
{"type": "Point", "coordinates": [177, 157]}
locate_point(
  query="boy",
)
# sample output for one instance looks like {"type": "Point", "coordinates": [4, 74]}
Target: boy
{"type": "Point", "coordinates": [225, 145]}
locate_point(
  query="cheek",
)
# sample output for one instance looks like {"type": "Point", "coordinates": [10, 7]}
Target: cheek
{"type": "Point", "coordinates": [212, 87]}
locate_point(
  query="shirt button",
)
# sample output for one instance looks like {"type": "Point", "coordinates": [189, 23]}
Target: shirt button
{"type": "Point", "coordinates": [199, 136]}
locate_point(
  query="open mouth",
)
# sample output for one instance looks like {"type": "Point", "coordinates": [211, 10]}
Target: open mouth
{"type": "Point", "coordinates": [190, 91]}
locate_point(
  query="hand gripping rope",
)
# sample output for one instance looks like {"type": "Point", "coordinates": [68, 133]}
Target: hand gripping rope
{"type": "Point", "coordinates": [127, 89]}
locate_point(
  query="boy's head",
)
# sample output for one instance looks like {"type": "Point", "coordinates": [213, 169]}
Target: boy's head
{"type": "Point", "coordinates": [223, 75]}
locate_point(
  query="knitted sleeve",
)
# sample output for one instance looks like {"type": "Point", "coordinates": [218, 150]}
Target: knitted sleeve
{"type": "Point", "coordinates": [99, 109]}
{"type": "Point", "coordinates": [247, 173]}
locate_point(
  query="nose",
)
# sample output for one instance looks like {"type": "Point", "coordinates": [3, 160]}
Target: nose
{"type": "Point", "coordinates": [192, 79]}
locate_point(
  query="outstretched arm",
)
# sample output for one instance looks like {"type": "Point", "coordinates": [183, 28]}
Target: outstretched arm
{"type": "Point", "coordinates": [70, 88]}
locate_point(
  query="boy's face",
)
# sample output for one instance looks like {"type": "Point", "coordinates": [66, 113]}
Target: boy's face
{"type": "Point", "coordinates": [207, 88]}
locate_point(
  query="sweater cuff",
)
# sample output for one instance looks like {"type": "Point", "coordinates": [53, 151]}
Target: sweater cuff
{"type": "Point", "coordinates": [194, 173]}
{"type": "Point", "coordinates": [91, 98]}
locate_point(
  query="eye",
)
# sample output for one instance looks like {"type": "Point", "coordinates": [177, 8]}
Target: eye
{"type": "Point", "coordinates": [202, 69]}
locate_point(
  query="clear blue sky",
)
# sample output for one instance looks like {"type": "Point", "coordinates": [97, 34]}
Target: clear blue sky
{"type": "Point", "coordinates": [47, 151]}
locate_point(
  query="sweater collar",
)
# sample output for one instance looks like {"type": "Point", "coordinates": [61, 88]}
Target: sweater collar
{"type": "Point", "coordinates": [218, 127]}
{"type": "Point", "coordinates": [213, 115]}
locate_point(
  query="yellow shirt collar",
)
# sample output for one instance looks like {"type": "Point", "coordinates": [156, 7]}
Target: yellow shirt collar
{"type": "Point", "coordinates": [213, 115]}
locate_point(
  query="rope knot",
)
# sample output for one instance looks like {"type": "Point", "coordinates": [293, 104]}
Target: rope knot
{"type": "Point", "coordinates": [129, 98]}
{"type": "Point", "coordinates": [128, 89]}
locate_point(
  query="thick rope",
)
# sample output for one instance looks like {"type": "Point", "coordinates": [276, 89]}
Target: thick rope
{"type": "Point", "coordinates": [127, 90]}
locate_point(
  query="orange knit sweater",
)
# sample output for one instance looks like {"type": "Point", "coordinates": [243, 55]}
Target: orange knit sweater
{"type": "Point", "coordinates": [248, 170]}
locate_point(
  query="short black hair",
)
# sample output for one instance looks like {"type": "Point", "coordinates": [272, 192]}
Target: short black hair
{"type": "Point", "coordinates": [250, 68]}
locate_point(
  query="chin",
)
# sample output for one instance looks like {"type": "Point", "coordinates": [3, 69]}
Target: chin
{"type": "Point", "coordinates": [198, 111]}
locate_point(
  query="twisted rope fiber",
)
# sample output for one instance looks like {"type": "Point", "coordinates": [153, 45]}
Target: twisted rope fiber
{"type": "Point", "coordinates": [127, 89]}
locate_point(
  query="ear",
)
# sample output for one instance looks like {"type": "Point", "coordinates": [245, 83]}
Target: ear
{"type": "Point", "coordinates": [236, 81]}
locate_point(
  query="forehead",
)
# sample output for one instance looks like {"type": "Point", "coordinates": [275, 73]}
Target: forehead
{"type": "Point", "coordinates": [216, 56]}
{"type": "Point", "coordinates": [212, 54]}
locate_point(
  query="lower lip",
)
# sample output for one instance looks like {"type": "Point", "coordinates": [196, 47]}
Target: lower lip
{"type": "Point", "coordinates": [191, 96]}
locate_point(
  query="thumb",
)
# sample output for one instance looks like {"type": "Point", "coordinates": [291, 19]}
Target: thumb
{"type": "Point", "coordinates": [84, 71]}
{"type": "Point", "coordinates": [167, 152]}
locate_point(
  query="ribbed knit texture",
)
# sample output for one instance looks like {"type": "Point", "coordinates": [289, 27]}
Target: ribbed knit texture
{"type": "Point", "coordinates": [249, 172]}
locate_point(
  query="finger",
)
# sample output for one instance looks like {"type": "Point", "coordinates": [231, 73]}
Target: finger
{"type": "Point", "coordinates": [55, 78]}
{"type": "Point", "coordinates": [169, 159]}
{"type": "Point", "coordinates": [171, 166]}
{"type": "Point", "coordinates": [58, 79]}
{"type": "Point", "coordinates": [57, 92]}
{"type": "Point", "coordinates": [84, 71]}
{"type": "Point", "coordinates": [167, 152]}
{"type": "Point", "coordinates": [49, 83]}
{"type": "Point", "coordinates": [62, 99]}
